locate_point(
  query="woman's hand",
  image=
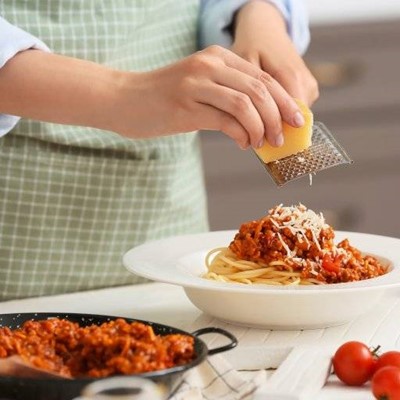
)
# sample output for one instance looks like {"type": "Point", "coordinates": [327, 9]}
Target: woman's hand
{"type": "Point", "coordinates": [213, 89]}
{"type": "Point", "coordinates": [261, 38]}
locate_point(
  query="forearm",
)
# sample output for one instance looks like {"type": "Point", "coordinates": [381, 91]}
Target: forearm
{"type": "Point", "coordinates": [261, 16]}
{"type": "Point", "coordinates": [217, 16]}
{"type": "Point", "coordinates": [54, 88]}
{"type": "Point", "coordinates": [270, 17]}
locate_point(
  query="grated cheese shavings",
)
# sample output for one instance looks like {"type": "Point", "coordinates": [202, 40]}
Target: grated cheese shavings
{"type": "Point", "coordinates": [285, 246]}
{"type": "Point", "coordinates": [299, 220]}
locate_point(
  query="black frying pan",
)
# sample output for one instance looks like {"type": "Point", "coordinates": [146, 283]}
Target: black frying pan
{"type": "Point", "coordinates": [15, 388]}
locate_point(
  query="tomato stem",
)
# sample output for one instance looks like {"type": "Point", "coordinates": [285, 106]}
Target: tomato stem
{"type": "Point", "coordinates": [375, 353]}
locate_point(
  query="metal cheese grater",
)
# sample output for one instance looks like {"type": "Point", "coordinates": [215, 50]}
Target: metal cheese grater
{"type": "Point", "coordinates": [324, 152]}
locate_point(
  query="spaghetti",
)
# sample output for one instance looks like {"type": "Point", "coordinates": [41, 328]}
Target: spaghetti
{"type": "Point", "coordinates": [289, 246]}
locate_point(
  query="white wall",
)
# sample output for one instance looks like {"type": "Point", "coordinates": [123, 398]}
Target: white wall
{"type": "Point", "coordinates": [334, 11]}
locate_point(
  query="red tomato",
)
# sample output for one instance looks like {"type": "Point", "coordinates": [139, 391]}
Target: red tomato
{"type": "Point", "coordinates": [390, 358]}
{"type": "Point", "coordinates": [354, 363]}
{"type": "Point", "coordinates": [386, 383]}
{"type": "Point", "coordinates": [329, 264]}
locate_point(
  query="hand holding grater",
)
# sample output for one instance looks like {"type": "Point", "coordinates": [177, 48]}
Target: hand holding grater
{"type": "Point", "coordinates": [324, 152]}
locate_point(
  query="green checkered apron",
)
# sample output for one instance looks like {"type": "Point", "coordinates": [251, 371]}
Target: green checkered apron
{"type": "Point", "coordinates": [74, 199]}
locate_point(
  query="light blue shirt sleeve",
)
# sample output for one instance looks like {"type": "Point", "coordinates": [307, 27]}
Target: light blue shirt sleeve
{"type": "Point", "coordinates": [217, 15]}
{"type": "Point", "coordinates": [12, 41]}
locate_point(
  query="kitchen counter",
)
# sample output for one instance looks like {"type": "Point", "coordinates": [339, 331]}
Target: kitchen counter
{"type": "Point", "coordinates": [169, 305]}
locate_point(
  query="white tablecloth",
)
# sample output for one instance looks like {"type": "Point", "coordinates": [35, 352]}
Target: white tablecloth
{"type": "Point", "coordinates": [169, 305]}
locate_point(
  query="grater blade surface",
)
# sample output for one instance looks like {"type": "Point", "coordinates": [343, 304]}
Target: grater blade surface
{"type": "Point", "coordinates": [324, 152]}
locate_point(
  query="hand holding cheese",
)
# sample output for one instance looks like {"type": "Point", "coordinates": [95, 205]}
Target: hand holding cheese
{"type": "Point", "coordinates": [296, 139]}
{"type": "Point", "coordinates": [213, 89]}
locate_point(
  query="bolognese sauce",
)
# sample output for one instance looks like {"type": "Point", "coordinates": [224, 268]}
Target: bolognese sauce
{"type": "Point", "coordinates": [113, 348]}
{"type": "Point", "coordinates": [290, 246]}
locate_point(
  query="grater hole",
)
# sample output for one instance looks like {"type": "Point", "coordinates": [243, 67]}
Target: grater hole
{"type": "Point", "coordinates": [324, 152]}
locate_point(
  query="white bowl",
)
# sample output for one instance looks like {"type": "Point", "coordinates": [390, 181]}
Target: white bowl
{"type": "Point", "coordinates": [180, 261]}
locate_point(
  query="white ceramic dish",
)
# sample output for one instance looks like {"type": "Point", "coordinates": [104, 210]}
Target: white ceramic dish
{"type": "Point", "coordinates": [180, 261]}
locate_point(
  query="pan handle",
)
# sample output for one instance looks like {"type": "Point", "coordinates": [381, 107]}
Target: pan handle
{"type": "Point", "coordinates": [223, 332]}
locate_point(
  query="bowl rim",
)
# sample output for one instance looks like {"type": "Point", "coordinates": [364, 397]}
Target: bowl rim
{"type": "Point", "coordinates": [141, 260]}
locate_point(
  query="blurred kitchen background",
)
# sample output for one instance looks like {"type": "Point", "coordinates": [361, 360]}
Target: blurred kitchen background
{"type": "Point", "coordinates": [355, 55]}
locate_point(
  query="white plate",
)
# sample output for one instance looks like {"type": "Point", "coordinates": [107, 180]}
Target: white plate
{"type": "Point", "coordinates": [180, 261]}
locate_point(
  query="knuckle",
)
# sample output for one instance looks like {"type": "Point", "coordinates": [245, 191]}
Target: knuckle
{"type": "Point", "coordinates": [257, 132]}
{"type": "Point", "coordinates": [228, 125]}
{"type": "Point", "coordinates": [225, 125]}
{"type": "Point", "coordinates": [187, 83]}
{"type": "Point", "coordinates": [311, 89]}
{"type": "Point", "coordinates": [313, 83]}
{"type": "Point", "coordinates": [289, 73]}
{"type": "Point", "coordinates": [274, 126]}
{"type": "Point", "coordinates": [314, 89]}
{"type": "Point", "coordinates": [287, 104]}
{"type": "Point", "coordinates": [200, 63]}
{"type": "Point", "coordinates": [267, 78]}
{"type": "Point", "coordinates": [241, 102]}
{"type": "Point", "coordinates": [258, 90]}
{"type": "Point", "coordinates": [257, 136]}
{"type": "Point", "coordinates": [215, 50]}
{"type": "Point", "coordinates": [231, 129]}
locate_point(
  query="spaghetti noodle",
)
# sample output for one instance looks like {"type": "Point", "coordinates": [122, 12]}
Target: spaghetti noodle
{"type": "Point", "coordinates": [289, 246]}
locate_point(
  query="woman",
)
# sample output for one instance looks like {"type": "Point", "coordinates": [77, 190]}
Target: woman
{"type": "Point", "coordinates": [99, 163]}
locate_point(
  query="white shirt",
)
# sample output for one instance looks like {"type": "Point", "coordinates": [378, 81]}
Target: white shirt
{"type": "Point", "coordinates": [215, 17]}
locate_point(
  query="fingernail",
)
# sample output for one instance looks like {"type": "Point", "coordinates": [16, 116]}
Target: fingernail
{"type": "Point", "coordinates": [299, 119]}
{"type": "Point", "coordinates": [279, 140]}
{"type": "Point", "coordinates": [260, 143]}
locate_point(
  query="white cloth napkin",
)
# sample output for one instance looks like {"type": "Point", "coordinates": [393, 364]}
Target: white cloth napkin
{"type": "Point", "coordinates": [215, 379]}
{"type": "Point", "coordinates": [300, 376]}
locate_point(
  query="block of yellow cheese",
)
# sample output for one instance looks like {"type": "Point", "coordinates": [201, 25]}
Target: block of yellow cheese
{"type": "Point", "coordinates": [296, 139]}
